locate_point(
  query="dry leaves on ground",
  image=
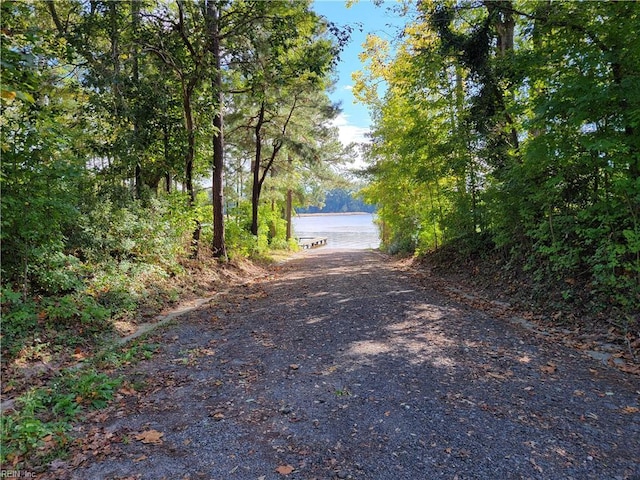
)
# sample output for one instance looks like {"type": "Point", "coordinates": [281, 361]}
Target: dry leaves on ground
{"type": "Point", "coordinates": [150, 436]}
{"type": "Point", "coordinates": [284, 469]}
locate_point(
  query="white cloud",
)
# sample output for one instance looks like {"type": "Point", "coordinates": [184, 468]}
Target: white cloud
{"type": "Point", "coordinates": [348, 87]}
{"type": "Point", "coordinates": [349, 133]}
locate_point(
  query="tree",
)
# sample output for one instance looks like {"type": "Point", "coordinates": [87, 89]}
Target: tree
{"type": "Point", "coordinates": [40, 169]}
{"type": "Point", "coordinates": [179, 40]}
{"type": "Point", "coordinates": [278, 70]}
{"type": "Point", "coordinates": [213, 12]}
{"type": "Point", "coordinates": [512, 125]}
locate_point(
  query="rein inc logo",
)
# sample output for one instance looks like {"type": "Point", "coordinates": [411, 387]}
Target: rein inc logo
{"type": "Point", "coordinates": [16, 474]}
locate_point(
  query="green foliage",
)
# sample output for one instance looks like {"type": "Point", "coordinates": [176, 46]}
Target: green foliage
{"type": "Point", "coordinates": [273, 229]}
{"type": "Point", "coordinates": [514, 125]}
{"type": "Point", "coordinates": [152, 232]}
{"type": "Point", "coordinates": [43, 415]}
{"type": "Point", "coordinates": [66, 319]}
{"type": "Point", "coordinates": [120, 248]}
{"type": "Point", "coordinates": [239, 240]}
{"type": "Point", "coordinates": [95, 134]}
{"type": "Point", "coordinates": [21, 435]}
{"type": "Point", "coordinates": [75, 309]}
{"type": "Point", "coordinates": [38, 427]}
{"type": "Point", "coordinates": [117, 357]}
{"type": "Point", "coordinates": [19, 318]}
{"type": "Point", "coordinates": [271, 232]}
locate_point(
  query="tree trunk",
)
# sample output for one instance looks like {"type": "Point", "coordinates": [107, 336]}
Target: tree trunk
{"type": "Point", "coordinates": [258, 178]}
{"type": "Point", "coordinates": [501, 12]}
{"type": "Point", "coordinates": [219, 247]}
{"type": "Point", "coordinates": [289, 205]}
{"type": "Point", "coordinates": [257, 184]}
{"type": "Point", "coordinates": [288, 210]}
{"type": "Point", "coordinates": [135, 23]}
{"type": "Point", "coordinates": [617, 69]}
{"type": "Point", "coordinates": [188, 163]}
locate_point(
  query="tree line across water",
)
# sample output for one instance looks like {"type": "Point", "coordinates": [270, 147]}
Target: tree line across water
{"type": "Point", "coordinates": [340, 200]}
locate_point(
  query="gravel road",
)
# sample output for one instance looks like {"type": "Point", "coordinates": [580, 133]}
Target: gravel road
{"type": "Point", "coordinates": [339, 365]}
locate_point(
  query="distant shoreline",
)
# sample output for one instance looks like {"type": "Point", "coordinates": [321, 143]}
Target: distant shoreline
{"type": "Point", "coordinates": [328, 214]}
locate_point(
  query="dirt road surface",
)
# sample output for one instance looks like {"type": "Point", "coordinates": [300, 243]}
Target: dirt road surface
{"type": "Point", "coordinates": [340, 365]}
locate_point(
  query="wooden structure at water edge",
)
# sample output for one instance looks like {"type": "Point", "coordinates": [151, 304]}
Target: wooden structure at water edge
{"type": "Point", "coordinates": [311, 242]}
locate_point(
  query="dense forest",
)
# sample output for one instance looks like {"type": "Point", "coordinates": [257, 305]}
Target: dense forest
{"type": "Point", "coordinates": [140, 134]}
{"type": "Point", "coordinates": [510, 128]}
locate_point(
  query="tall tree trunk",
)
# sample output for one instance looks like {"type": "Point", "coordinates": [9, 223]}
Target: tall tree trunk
{"type": "Point", "coordinates": [219, 247]}
{"type": "Point", "coordinates": [258, 177]}
{"type": "Point", "coordinates": [189, 159]}
{"type": "Point", "coordinates": [618, 71]}
{"type": "Point", "coordinates": [289, 204]}
{"type": "Point", "coordinates": [257, 183]}
{"type": "Point", "coordinates": [191, 143]}
{"type": "Point", "coordinates": [135, 23]}
{"type": "Point", "coordinates": [288, 211]}
{"type": "Point", "coordinates": [502, 13]}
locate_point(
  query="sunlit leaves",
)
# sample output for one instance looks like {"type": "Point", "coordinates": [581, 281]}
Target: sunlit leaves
{"type": "Point", "coordinates": [535, 144]}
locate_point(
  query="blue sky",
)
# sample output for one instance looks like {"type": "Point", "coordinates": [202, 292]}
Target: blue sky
{"type": "Point", "coordinates": [364, 17]}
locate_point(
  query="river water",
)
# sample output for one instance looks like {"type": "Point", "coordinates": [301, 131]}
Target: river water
{"type": "Point", "coordinates": [346, 231]}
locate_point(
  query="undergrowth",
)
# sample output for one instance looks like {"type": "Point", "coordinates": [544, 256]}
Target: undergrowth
{"type": "Point", "coordinates": [38, 429]}
{"type": "Point", "coordinates": [111, 265]}
{"type": "Point", "coordinates": [563, 298]}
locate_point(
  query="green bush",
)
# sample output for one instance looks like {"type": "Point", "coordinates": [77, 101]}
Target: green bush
{"type": "Point", "coordinates": [239, 240]}
{"type": "Point", "coordinates": [19, 319]}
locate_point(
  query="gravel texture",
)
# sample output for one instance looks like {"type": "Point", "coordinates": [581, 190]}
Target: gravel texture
{"type": "Point", "coordinates": [339, 365]}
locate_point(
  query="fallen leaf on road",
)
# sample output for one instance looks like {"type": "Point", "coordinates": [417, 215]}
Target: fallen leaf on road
{"type": "Point", "coordinates": [630, 410]}
{"type": "Point", "coordinates": [127, 390]}
{"type": "Point", "coordinates": [78, 354]}
{"type": "Point", "coordinates": [628, 368]}
{"type": "Point", "coordinates": [535, 465]}
{"type": "Point", "coordinates": [549, 368]}
{"type": "Point", "coordinates": [150, 436]}
{"type": "Point", "coordinates": [284, 469]}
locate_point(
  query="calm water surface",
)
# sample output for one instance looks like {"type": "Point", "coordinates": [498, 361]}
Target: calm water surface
{"type": "Point", "coordinates": [357, 232]}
